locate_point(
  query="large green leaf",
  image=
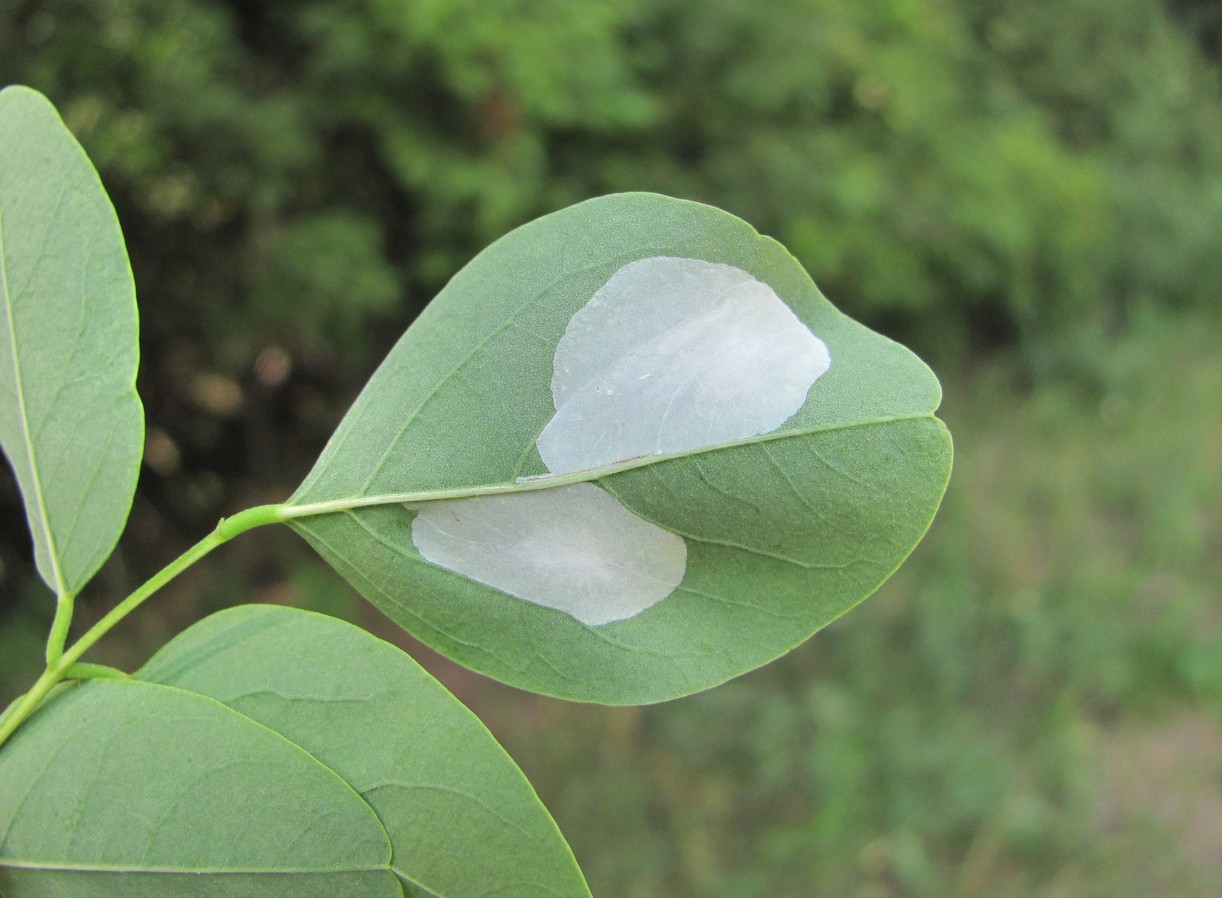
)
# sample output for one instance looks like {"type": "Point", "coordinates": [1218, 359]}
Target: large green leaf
{"type": "Point", "coordinates": [783, 529]}
{"type": "Point", "coordinates": [120, 787]}
{"type": "Point", "coordinates": [70, 420]}
{"type": "Point", "coordinates": [461, 817]}
{"type": "Point", "coordinates": [269, 751]}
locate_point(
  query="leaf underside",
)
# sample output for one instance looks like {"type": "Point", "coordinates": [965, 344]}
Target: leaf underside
{"type": "Point", "coordinates": [71, 423]}
{"type": "Point", "coordinates": [271, 751]}
{"type": "Point", "coordinates": [784, 531]}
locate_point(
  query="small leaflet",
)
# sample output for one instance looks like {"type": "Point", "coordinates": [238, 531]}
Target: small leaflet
{"type": "Point", "coordinates": [671, 355]}
{"type": "Point", "coordinates": [572, 548]}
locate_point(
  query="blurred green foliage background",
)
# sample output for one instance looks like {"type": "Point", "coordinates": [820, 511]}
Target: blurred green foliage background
{"type": "Point", "coordinates": [1029, 194]}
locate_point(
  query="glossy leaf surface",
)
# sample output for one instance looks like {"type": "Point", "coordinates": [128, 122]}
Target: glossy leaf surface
{"type": "Point", "coordinates": [71, 423]}
{"type": "Point", "coordinates": [784, 530]}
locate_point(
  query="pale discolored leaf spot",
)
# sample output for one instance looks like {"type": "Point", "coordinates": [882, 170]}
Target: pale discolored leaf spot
{"type": "Point", "coordinates": [572, 548]}
{"type": "Point", "coordinates": [673, 355]}
{"type": "Point", "coordinates": [669, 355]}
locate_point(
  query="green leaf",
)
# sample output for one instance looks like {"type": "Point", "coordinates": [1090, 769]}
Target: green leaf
{"type": "Point", "coordinates": [461, 817]}
{"type": "Point", "coordinates": [782, 529]}
{"type": "Point", "coordinates": [271, 751]}
{"type": "Point", "coordinates": [71, 423]}
{"type": "Point", "coordinates": [121, 787]}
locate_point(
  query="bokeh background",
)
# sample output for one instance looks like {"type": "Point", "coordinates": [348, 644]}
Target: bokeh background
{"type": "Point", "coordinates": [1029, 194]}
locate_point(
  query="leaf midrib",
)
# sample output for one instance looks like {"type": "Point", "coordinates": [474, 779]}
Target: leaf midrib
{"type": "Point", "coordinates": [69, 867]}
{"type": "Point", "coordinates": [61, 586]}
{"type": "Point", "coordinates": [291, 511]}
{"type": "Point", "coordinates": [116, 869]}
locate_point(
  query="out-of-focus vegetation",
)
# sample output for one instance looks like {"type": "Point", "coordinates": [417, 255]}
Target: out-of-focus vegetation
{"type": "Point", "coordinates": [1029, 194]}
{"type": "Point", "coordinates": [1029, 707]}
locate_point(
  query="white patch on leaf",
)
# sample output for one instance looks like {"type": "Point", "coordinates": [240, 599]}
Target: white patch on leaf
{"type": "Point", "coordinates": [572, 548]}
{"type": "Point", "coordinates": [672, 355]}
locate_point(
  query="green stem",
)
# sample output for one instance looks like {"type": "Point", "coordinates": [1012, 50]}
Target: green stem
{"type": "Point", "coordinates": [83, 670]}
{"type": "Point", "coordinates": [17, 714]}
{"type": "Point", "coordinates": [57, 669]}
{"type": "Point", "coordinates": [59, 627]}
{"type": "Point", "coordinates": [8, 712]}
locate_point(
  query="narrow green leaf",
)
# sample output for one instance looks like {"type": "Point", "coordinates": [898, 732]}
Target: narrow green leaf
{"type": "Point", "coordinates": [462, 819]}
{"type": "Point", "coordinates": [121, 787]}
{"type": "Point", "coordinates": [769, 471]}
{"type": "Point", "coordinates": [71, 423]}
